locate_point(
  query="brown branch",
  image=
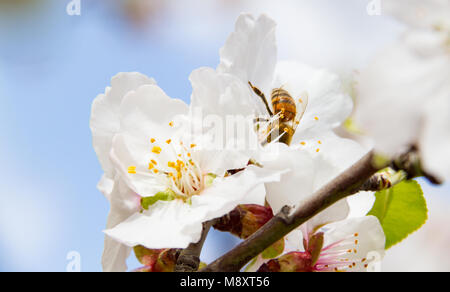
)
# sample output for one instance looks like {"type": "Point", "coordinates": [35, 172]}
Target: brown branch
{"type": "Point", "coordinates": [189, 259]}
{"type": "Point", "coordinates": [348, 183]}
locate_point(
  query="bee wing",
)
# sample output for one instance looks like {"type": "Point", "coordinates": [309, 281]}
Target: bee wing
{"type": "Point", "coordinates": [302, 104]}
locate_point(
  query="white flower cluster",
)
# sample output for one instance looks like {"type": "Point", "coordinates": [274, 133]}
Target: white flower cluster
{"type": "Point", "coordinates": [166, 174]}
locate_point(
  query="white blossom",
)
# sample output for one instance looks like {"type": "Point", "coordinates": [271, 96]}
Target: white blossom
{"type": "Point", "coordinates": [182, 181]}
{"type": "Point", "coordinates": [404, 93]}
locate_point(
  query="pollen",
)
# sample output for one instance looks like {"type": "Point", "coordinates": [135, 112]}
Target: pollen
{"type": "Point", "coordinates": [171, 164]}
{"type": "Point", "coordinates": [156, 150]}
{"type": "Point", "coordinates": [171, 124]}
{"type": "Point", "coordinates": [303, 143]}
{"type": "Point", "coordinates": [356, 234]}
{"type": "Point", "coordinates": [193, 145]}
{"type": "Point", "coordinates": [155, 171]}
{"type": "Point", "coordinates": [153, 140]}
{"type": "Point", "coordinates": [300, 100]}
{"type": "Point", "coordinates": [318, 150]}
{"type": "Point", "coordinates": [319, 142]}
{"type": "Point", "coordinates": [169, 141]}
{"type": "Point", "coordinates": [132, 169]}
{"type": "Point", "coordinates": [316, 118]}
{"type": "Point", "coordinates": [154, 162]}
{"type": "Point", "coordinates": [151, 166]}
{"type": "Point", "coordinates": [356, 241]}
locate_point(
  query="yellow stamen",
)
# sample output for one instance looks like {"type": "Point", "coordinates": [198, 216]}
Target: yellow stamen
{"type": "Point", "coordinates": [168, 141]}
{"type": "Point", "coordinates": [152, 140]}
{"type": "Point", "coordinates": [316, 118]}
{"type": "Point", "coordinates": [318, 150]}
{"type": "Point", "coordinates": [320, 142]}
{"type": "Point", "coordinates": [156, 150]}
{"type": "Point", "coordinates": [171, 124]}
{"type": "Point", "coordinates": [151, 166]}
{"type": "Point", "coordinates": [303, 143]}
{"type": "Point", "coordinates": [132, 169]}
{"type": "Point", "coordinates": [154, 162]}
{"type": "Point", "coordinates": [193, 145]}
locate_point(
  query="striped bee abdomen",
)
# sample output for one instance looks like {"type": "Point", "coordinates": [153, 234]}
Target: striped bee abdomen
{"type": "Point", "coordinates": [283, 104]}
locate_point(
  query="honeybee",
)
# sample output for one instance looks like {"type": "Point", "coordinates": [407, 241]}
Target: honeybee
{"type": "Point", "coordinates": [285, 117]}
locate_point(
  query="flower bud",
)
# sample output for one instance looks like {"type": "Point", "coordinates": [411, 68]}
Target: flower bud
{"type": "Point", "coordinates": [290, 262]}
{"type": "Point", "coordinates": [156, 260]}
{"type": "Point", "coordinates": [244, 220]}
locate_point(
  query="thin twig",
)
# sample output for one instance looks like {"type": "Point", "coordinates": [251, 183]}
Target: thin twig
{"type": "Point", "coordinates": [189, 259]}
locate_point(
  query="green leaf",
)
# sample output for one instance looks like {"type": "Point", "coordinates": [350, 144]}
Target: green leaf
{"type": "Point", "coordinates": [401, 210]}
{"type": "Point", "coordinates": [167, 195]}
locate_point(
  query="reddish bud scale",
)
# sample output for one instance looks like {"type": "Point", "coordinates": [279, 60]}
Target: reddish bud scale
{"type": "Point", "coordinates": [290, 262]}
{"type": "Point", "coordinates": [156, 260]}
{"type": "Point", "coordinates": [244, 220]}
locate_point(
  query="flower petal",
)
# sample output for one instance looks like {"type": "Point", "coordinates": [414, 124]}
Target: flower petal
{"type": "Point", "coordinates": [394, 91]}
{"type": "Point", "coordinates": [419, 13]}
{"type": "Point", "coordinates": [328, 105]}
{"type": "Point", "coordinates": [145, 114]}
{"type": "Point", "coordinates": [164, 225]}
{"type": "Point", "coordinates": [225, 194]}
{"type": "Point", "coordinates": [250, 51]}
{"type": "Point", "coordinates": [105, 114]}
{"type": "Point", "coordinates": [435, 142]}
{"type": "Point", "coordinates": [124, 203]}
{"type": "Point", "coordinates": [361, 239]}
{"type": "Point", "coordinates": [220, 94]}
{"type": "Point", "coordinates": [296, 183]}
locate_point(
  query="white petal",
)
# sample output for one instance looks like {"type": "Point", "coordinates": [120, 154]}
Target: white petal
{"type": "Point", "coordinates": [363, 235]}
{"type": "Point", "coordinates": [124, 203]}
{"type": "Point", "coordinates": [146, 114]}
{"type": "Point", "coordinates": [176, 224]}
{"type": "Point", "coordinates": [105, 186]}
{"type": "Point", "coordinates": [227, 193]}
{"type": "Point", "coordinates": [250, 52]}
{"type": "Point", "coordinates": [293, 241]}
{"type": "Point", "coordinates": [220, 94]}
{"type": "Point", "coordinates": [394, 91]}
{"type": "Point", "coordinates": [296, 184]}
{"type": "Point", "coordinates": [336, 212]}
{"type": "Point", "coordinates": [419, 13]}
{"type": "Point", "coordinates": [327, 100]}
{"type": "Point", "coordinates": [124, 154]}
{"type": "Point", "coordinates": [162, 226]}
{"type": "Point", "coordinates": [360, 204]}
{"type": "Point", "coordinates": [435, 143]}
{"type": "Point", "coordinates": [105, 114]}
{"type": "Point", "coordinates": [340, 153]}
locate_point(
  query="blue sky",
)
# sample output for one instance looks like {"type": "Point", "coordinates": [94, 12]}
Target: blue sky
{"type": "Point", "coordinates": [52, 66]}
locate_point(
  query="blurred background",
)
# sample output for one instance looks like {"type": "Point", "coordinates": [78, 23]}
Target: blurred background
{"type": "Point", "coordinates": [53, 65]}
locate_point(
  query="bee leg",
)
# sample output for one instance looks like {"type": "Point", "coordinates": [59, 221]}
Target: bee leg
{"type": "Point", "coordinates": [262, 96]}
{"type": "Point", "coordinates": [259, 120]}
